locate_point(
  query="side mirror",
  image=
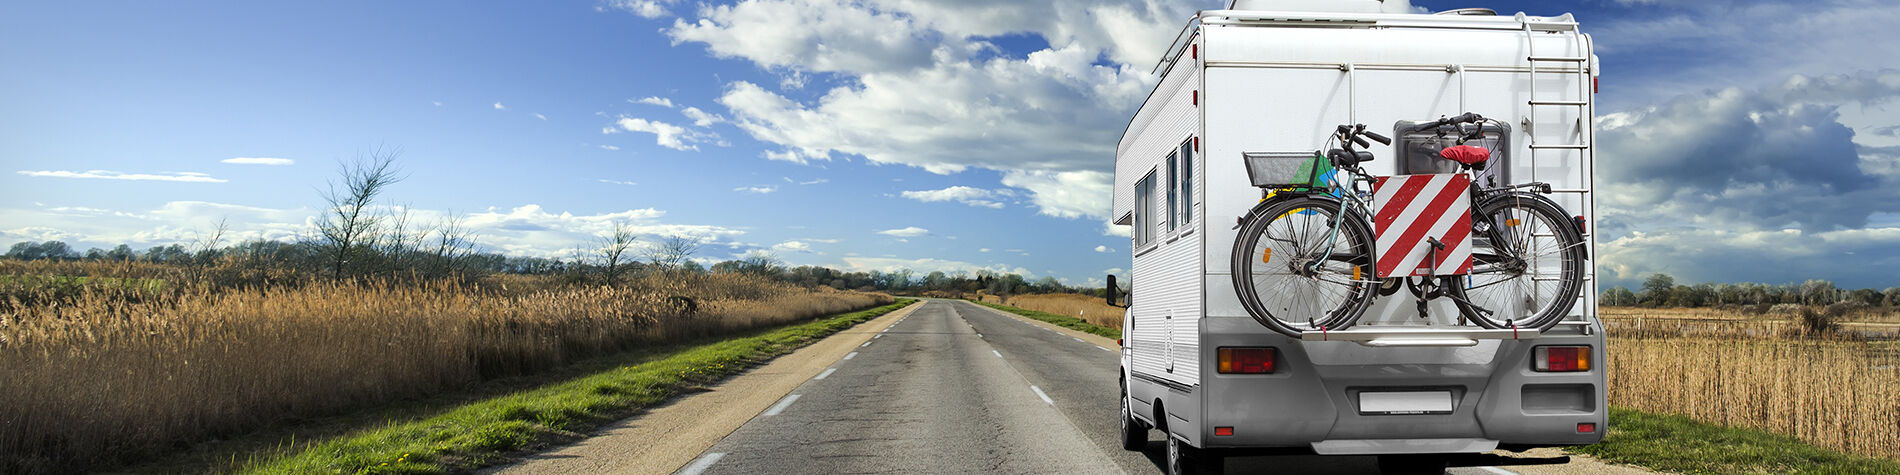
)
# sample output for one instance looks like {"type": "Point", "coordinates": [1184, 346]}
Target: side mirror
{"type": "Point", "coordinates": [1112, 290]}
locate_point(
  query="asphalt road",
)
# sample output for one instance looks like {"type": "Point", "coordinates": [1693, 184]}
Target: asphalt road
{"type": "Point", "coordinates": [958, 388]}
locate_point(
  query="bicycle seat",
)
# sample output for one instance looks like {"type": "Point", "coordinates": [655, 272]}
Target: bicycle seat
{"type": "Point", "coordinates": [1473, 157]}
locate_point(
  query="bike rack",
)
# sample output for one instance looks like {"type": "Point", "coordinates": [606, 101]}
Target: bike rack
{"type": "Point", "coordinates": [1419, 336]}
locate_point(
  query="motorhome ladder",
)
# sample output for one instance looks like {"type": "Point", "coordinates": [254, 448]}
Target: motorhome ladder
{"type": "Point", "coordinates": [1578, 64]}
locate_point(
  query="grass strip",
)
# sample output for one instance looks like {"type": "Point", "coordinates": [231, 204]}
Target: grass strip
{"type": "Point", "coordinates": [1063, 321]}
{"type": "Point", "coordinates": [483, 432]}
{"type": "Point", "coordinates": [1680, 444]}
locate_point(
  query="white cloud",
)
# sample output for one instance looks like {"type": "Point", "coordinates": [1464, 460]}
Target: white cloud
{"type": "Point", "coordinates": [610, 147]}
{"type": "Point", "coordinates": [190, 177]}
{"type": "Point", "coordinates": [983, 250]}
{"type": "Point", "coordinates": [962, 194]}
{"type": "Point", "coordinates": [500, 107]}
{"type": "Point", "coordinates": [926, 266]}
{"type": "Point", "coordinates": [906, 232]}
{"type": "Point", "coordinates": [538, 115]}
{"type": "Point", "coordinates": [756, 189]}
{"type": "Point", "coordinates": [701, 118]}
{"type": "Point", "coordinates": [1067, 194]}
{"type": "Point", "coordinates": [258, 161]}
{"type": "Point", "coordinates": [618, 182]}
{"type": "Point", "coordinates": [817, 35]}
{"type": "Point", "coordinates": [643, 8]}
{"type": "Point", "coordinates": [654, 100]}
{"type": "Point", "coordinates": [800, 157]}
{"type": "Point", "coordinates": [1103, 249]}
{"type": "Point", "coordinates": [437, 103]}
{"type": "Point", "coordinates": [791, 247]}
{"type": "Point", "coordinates": [666, 135]}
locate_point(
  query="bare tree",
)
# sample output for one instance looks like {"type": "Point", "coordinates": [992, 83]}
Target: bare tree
{"type": "Point", "coordinates": [613, 251]}
{"type": "Point", "coordinates": [349, 225]}
{"type": "Point", "coordinates": [453, 242]}
{"type": "Point", "coordinates": [673, 251]}
{"type": "Point", "coordinates": [203, 245]}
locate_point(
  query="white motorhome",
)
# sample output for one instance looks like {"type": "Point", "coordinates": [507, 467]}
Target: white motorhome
{"type": "Point", "coordinates": [1266, 77]}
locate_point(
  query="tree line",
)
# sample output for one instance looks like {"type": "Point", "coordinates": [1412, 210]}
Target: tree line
{"type": "Point", "coordinates": [1661, 290]}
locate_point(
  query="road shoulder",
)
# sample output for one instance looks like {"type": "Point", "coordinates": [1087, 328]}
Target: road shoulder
{"type": "Point", "coordinates": [667, 437]}
{"type": "Point", "coordinates": [1092, 338]}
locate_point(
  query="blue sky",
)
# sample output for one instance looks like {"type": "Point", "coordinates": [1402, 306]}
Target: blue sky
{"type": "Point", "coordinates": [1747, 140]}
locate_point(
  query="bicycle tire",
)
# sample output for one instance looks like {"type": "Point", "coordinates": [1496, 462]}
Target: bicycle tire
{"type": "Point", "coordinates": [1291, 303]}
{"type": "Point", "coordinates": [1502, 219]}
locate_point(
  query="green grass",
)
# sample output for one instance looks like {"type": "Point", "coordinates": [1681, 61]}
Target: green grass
{"type": "Point", "coordinates": [484, 432]}
{"type": "Point", "coordinates": [1680, 444]}
{"type": "Point", "coordinates": [1063, 321]}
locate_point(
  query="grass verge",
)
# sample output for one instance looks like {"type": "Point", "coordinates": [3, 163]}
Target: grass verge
{"type": "Point", "coordinates": [483, 432]}
{"type": "Point", "coordinates": [1063, 321]}
{"type": "Point", "coordinates": [1680, 444]}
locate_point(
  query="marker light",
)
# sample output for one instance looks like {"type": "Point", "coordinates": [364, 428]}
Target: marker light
{"type": "Point", "coordinates": [1558, 359]}
{"type": "Point", "coordinates": [1586, 427]}
{"type": "Point", "coordinates": [1246, 360]}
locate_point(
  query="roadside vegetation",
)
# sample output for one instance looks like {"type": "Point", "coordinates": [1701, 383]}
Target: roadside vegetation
{"type": "Point", "coordinates": [1063, 321]}
{"type": "Point", "coordinates": [1680, 444]}
{"type": "Point", "coordinates": [1089, 308]}
{"type": "Point", "coordinates": [484, 432]}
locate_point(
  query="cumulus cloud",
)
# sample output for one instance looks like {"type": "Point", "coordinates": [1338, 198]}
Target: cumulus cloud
{"type": "Point", "coordinates": [962, 194]}
{"type": "Point", "coordinates": [666, 135]}
{"type": "Point", "coordinates": [701, 118]}
{"type": "Point", "coordinates": [643, 8]}
{"type": "Point", "coordinates": [500, 107]}
{"type": "Point", "coordinates": [188, 177]}
{"type": "Point", "coordinates": [1103, 249]}
{"type": "Point", "coordinates": [654, 100]}
{"type": "Point", "coordinates": [926, 265]}
{"type": "Point", "coordinates": [921, 86]}
{"type": "Point", "coordinates": [906, 232]}
{"type": "Point", "coordinates": [793, 247]}
{"type": "Point", "coordinates": [258, 161]}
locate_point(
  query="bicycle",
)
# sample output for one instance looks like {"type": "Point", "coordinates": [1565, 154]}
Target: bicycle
{"type": "Point", "coordinates": [1527, 256]}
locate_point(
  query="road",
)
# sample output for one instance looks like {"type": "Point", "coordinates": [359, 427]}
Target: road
{"type": "Point", "coordinates": [953, 387]}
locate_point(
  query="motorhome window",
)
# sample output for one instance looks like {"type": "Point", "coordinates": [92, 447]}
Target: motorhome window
{"type": "Point", "coordinates": [1185, 178]}
{"type": "Point", "coordinates": [1144, 209]}
{"type": "Point", "coordinates": [1174, 191]}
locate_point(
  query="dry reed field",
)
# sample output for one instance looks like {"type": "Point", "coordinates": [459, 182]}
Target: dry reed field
{"type": "Point", "coordinates": [1839, 390]}
{"type": "Point", "coordinates": [108, 367]}
{"type": "Point", "coordinates": [1094, 310]}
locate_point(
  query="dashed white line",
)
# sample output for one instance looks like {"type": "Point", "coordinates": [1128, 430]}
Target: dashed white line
{"type": "Point", "coordinates": [865, 344]}
{"type": "Point", "coordinates": [702, 463]}
{"type": "Point", "coordinates": [1104, 348]}
{"type": "Point", "coordinates": [998, 355]}
{"type": "Point", "coordinates": [979, 335]}
{"type": "Point", "coordinates": [780, 407]}
{"type": "Point", "coordinates": [853, 354]}
{"type": "Point", "coordinates": [1498, 471]}
{"type": "Point", "coordinates": [1077, 339]}
{"type": "Point", "coordinates": [1040, 394]}
{"type": "Point", "coordinates": [880, 335]}
{"type": "Point", "coordinates": [826, 373]}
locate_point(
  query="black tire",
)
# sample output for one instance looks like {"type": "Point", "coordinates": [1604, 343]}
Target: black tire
{"type": "Point", "coordinates": [1413, 464]}
{"type": "Point", "coordinates": [1134, 435]}
{"type": "Point", "coordinates": [1184, 459]}
{"type": "Point", "coordinates": [1282, 292]}
{"type": "Point", "coordinates": [1521, 240]}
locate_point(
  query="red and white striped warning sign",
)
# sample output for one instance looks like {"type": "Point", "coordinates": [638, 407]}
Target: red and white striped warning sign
{"type": "Point", "coordinates": [1410, 208]}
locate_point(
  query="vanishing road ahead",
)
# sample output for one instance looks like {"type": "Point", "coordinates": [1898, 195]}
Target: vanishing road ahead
{"type": "Point", "coordinates": [952, 387]}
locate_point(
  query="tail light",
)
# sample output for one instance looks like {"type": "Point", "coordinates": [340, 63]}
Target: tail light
{"type": "Point", "coordinates": [1557, 359]}
{"type": "Point", "coordinates": [1247, 360]}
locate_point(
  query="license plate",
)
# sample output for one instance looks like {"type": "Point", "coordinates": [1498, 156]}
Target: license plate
{"type": "Point", "coordinates": [1405, 402]}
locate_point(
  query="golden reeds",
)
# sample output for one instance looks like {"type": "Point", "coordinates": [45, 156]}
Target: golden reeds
{"type": "Point", "coordinates": [89, 374]}
{"type": "Point", "coordinates": [1094, 310]}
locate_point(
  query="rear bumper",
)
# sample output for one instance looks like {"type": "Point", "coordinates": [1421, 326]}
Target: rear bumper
{"type": "Point", "coordinates": [1312, 400]}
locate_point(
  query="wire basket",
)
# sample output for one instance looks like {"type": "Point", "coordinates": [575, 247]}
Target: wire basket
{"type": "Point", "coordinates": [1277, 170]}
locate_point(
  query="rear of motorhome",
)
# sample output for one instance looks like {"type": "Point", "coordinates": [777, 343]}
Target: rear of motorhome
{"type": "Point", "coordinates": [1257, 80]}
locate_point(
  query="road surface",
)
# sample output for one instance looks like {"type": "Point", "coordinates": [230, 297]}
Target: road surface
{"type": "Point", "coordinates": [950, 387]}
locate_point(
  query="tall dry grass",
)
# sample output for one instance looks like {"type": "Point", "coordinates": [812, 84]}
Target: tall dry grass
{"type": "Point", "coordinates": [1835, 384]}
{"type": "Point", "coordinates": [1840, 394]}
{"type": "Point", "coordinates": [91, 372]}
{"type": "Point", "coordinates": [1094, 310]}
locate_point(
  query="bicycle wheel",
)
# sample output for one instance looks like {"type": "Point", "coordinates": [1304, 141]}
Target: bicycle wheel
{"type": "Point", "coordinates": [1286, 276]}
{"type": "Point", "coordinates": [1527, 263]}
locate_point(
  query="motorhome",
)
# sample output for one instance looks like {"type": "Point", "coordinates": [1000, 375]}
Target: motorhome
{"type": "Point", "coordinates": [1410, 381]}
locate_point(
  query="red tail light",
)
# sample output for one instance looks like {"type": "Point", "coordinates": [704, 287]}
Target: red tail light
{"type": "Point", "coordinates": [1246, 360]}
{"type": "Point", "coordinates": [1561, 358]}
{"type": "Point", "coordinates": [1223, 431]}
{"type": "Point", "coordinates": [1586, 427]}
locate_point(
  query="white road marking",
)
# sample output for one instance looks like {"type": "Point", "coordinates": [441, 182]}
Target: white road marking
{"type": "Point", "coordinates": [865, 344]}
{"type": "Point", "coordinates": [998, 355]}
{"type": "Point", "coordinates": [853, 354]}
{"type": "Point", "coordinates": [1498, 471]}
{"type": "Point", "coordinates": [826, 373]}
{"type": "Point", "coordinates": [979, 335]}
{"type": "Point", "coordinates": [1077, 339]}
{"type": "Point", "coordinates": [880, 335]}
{"type": "Point", "coordinates": [1040, 394]}
{"type": "Point", "coordinates": [780, 407]}
{"type": "Point", "coordinates": [702, 463]}
{"type": "Point", "coordinates": [1104, 348]}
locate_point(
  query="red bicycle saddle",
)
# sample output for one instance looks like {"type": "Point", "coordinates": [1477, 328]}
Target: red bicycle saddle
{"type": "Point", "coordinates": [1466, 154]}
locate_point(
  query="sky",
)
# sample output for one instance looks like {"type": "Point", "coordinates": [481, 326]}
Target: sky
{"type": "Point", "coordinates": [1738, 140]}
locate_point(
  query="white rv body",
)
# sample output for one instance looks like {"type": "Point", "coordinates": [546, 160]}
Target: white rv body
{"type": "Point", "coordinates": [1261, 81]}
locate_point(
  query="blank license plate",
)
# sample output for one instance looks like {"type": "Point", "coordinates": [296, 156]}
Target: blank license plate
{"type": "Point", "coordinates": [1405, 402]}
